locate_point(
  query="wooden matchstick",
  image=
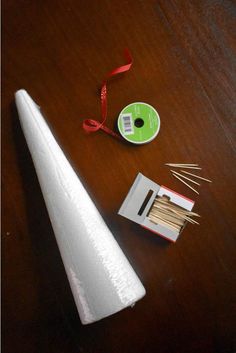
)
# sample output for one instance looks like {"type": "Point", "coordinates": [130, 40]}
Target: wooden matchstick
{"type": "Point", "coordinates": [182, 176]}
{"type": "Point", "coordinates": [190, 187]}
{"type": "Point", "coordinates": [196, 176]}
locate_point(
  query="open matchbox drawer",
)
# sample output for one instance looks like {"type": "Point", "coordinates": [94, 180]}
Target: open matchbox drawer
{"type": "Point", "coordinates": [140, 199]}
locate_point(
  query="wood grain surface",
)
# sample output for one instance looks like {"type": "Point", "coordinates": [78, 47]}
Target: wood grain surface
{"type": "Point", "coordinates": [184, 65]}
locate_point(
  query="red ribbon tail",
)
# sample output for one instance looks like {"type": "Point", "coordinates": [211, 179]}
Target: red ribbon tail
{"type": "Point", "coordinates": [90, 125]}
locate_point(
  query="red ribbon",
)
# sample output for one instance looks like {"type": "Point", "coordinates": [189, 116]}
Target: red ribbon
{"type": "Point", "coordinates": [91, 125]}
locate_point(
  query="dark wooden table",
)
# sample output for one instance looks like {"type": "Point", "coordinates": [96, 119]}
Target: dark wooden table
{"type": "Point", "coordinates": [184, 65]}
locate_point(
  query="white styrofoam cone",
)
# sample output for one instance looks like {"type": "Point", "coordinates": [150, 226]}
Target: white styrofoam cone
{"type": "Point", "coordinates": [101, 278]}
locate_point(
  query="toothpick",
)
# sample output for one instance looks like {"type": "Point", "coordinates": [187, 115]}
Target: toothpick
{"type": "Point", "coordinates": [166, 205]}
{"type": "Point", "coordinates": [161, 221]}
{"type": "Point", "coordinates": [182, 214]}
{"type": "Point", "coordinates": [169, 217]}
{"type": "Point", "coordinates": [183, 164]}
{"type": "Point", "coordinates": [185, 167]}
{"type": "Point", "coordinates": [197, 176]}
{"type": "Point", "coordinates": [168, 209]}
{"type": "Point", "coordinates": [186, 183]}
{"type": "Point", "coordinates": [181, 175]}
{"type": "Point", "coordinates": [174, 207]}
{"type": "Point", "coordinates": [156, 219]}
{"type": "Point", "coordinates": [191, 220]}
{"type": "Point", "coordinates": [182, 217]}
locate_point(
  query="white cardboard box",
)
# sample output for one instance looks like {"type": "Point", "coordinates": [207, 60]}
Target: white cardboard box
{"type": "Point", "coordinates": [139, 201]}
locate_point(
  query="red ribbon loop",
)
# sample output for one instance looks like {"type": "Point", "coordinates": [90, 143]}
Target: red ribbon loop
{"type": "Point", "coordinates": [91, 125]}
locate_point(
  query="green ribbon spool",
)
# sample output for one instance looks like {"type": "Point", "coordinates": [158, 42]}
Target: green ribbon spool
{"type": "Point", "coordinates": [139, 123]}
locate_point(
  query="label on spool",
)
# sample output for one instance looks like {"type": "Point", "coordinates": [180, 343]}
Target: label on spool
{"type": "Point", "coordinates": [139, 123]}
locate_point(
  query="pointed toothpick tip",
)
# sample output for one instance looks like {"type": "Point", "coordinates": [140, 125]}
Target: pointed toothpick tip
{"type": "Point", "coordinates": [182, 165]}
{"type": "Point", "coordinates": [197, 176]}
{"type": "Point", "coordinates": [183, 176]}
{"type": "Point", "coordinates": [190, 164]}
{"type": "Point", "coordinates": [190, 187]}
